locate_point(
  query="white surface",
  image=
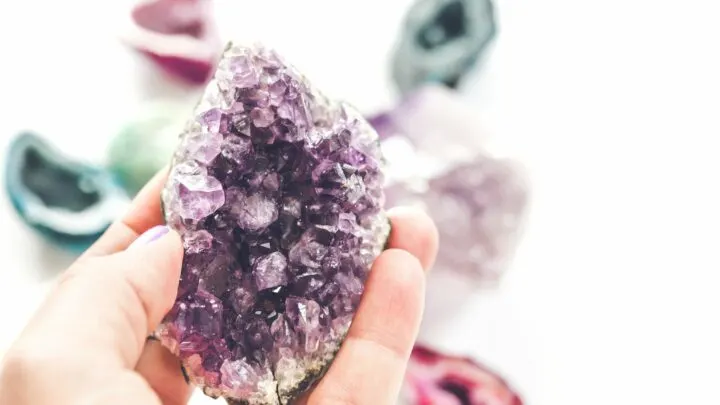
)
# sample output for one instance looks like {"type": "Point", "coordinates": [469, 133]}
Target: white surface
{"type": "Point", "coordinates": [612, 106]}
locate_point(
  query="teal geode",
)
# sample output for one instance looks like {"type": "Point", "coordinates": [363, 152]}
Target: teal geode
{"type": "Point", "coordinates": [441, 41]}
{"type": "Point", "coordinates": [68, 202]}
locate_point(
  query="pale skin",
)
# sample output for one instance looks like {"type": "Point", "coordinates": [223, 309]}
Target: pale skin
{"type": "Point", "coordinates": [87, 343]}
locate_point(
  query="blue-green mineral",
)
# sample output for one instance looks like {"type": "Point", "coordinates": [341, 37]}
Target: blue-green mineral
{"type": "Point", "coordinates": [441, 41]}
{"type": "Point", "coordinates": [70, 203]}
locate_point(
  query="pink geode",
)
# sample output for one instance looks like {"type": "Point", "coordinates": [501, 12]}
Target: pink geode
{"type": "Point", "coordinates": [178, 35]}
{"type": "Point", "coordinates": [277, 193]}
{"type": "Point", "coordinates": [433, 378]}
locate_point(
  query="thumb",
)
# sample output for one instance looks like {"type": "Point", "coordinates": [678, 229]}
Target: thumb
{"type": "Point", "coordinates": [104, 307]}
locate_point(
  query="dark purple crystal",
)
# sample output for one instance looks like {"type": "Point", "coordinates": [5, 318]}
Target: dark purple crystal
{"type": "Point", "coordinates": [277, 193]}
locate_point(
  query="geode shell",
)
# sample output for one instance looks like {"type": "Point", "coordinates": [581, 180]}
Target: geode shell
{"type": "Point", "coordinates": [277, 193]}
{"type": "Point", "coordinates": [67, 201]}
{"type": "Point", "coordinates": [441, 42]}
{"type": "Point", "coordinates": [145, 144]}
{"type": "Point", "coordinates": [441, 379]}
{"type": "Point", "coordinates": [180, 37]}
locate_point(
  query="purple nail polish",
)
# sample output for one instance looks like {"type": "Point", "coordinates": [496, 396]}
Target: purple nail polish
{"type": "Point", "coordinates": [150, 235]}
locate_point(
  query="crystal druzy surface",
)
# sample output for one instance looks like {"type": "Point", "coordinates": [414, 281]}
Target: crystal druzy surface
{"type": "Point", "coordinates": [277, 193]}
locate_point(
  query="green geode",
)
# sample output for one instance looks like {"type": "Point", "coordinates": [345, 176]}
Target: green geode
{"type": "Point", "coordinates": [145, 145]}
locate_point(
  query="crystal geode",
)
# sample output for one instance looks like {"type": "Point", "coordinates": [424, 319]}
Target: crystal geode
{"type": "Point", "coordinates": [440, 379]}
{"type": "Point", "coordinates": [145, 144]}
{"type": "Point", "coordinates": [441, 42]}
{"type": "Point", "coordinates": [277, 193]}
{"type": "Point", "coordinates": [437, 160]}
{"type": "Point", "coordinates": [68, 201]}
{"type": "Point", "coordinates": [179, 36]}
{"type": "Point", "coordinates": [478, 207]}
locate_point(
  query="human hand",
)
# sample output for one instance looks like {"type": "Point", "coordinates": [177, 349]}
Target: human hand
{"type": "Point", "coordinates": [87, 343]}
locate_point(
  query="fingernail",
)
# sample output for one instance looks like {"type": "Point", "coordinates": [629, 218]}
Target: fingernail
{"type": "Point", "coordinates": [150, 235]}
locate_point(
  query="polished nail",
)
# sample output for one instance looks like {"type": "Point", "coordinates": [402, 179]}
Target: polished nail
{"type": "Point", "coordinates": [151, 235]}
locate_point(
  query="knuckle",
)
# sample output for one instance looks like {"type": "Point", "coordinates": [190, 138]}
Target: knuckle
{"type": "Point", "coordinates": [81, 269]}
{"type": "Point", "coordinates": [129, 309]}
{"type": "Point", "coordinates": [124, 385]}
{"type": "Point", "coordinates": [335, 400]}
{"type": "Point", "coordinates": [20, 367]}
{"type": "Point", "coordinates": [335, 392]}
{"type": "Point", "coordinates": [403, 256]}
{"type": "Point", "coordinates": [13, 377]}
{"type": "Point", "coordinates": [15, 364]}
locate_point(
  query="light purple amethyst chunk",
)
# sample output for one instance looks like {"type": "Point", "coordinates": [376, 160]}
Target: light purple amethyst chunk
{"type": "Point", "coordinates": [436, 160]}
{"type": "Point", "coordinates": [277, 193]}
{"type": "Point", "coordinates": [270, 271]}
{"type": "Point", "coordinates": [478, 207]}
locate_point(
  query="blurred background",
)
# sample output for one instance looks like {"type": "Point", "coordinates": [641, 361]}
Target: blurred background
{"type": "Point", "coordinates": [610, 109]}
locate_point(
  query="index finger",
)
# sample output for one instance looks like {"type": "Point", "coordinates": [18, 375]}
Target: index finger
{"type": "Point", "coordinates": [145, 212]}
{"type": "Point", "coordinates": [370, 366]}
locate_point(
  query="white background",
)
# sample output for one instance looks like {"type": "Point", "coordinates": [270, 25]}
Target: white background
{"type": "Point", "coordinates": [612, 105]}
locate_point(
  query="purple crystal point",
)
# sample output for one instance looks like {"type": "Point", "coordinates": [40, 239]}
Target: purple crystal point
{"type": "Point", "coordinates": [277, 193]}
{"type": "Point", "coordinates": [270, 271]}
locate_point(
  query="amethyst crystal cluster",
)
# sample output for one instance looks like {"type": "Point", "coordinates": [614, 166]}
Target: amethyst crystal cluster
{"type": "Point", "coordinates": [477, 200]}
{"type": "Point", "coordinates": [478, 209]}
{"type": "Point", "coordinates": [277, 193]}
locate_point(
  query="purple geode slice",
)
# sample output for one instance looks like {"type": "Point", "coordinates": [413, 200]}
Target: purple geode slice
{"type": "Point", "coordinates": [277, 193]}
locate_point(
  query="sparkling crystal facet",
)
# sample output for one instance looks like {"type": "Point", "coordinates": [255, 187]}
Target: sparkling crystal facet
{"type": "Point", "coordinates": [277, 193]}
